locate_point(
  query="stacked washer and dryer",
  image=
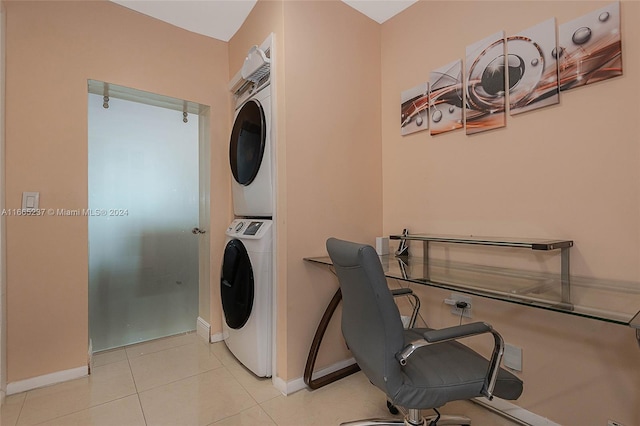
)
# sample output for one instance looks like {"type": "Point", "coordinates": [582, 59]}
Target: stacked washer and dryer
{"type": "Point", "coordinates": [246, 283]}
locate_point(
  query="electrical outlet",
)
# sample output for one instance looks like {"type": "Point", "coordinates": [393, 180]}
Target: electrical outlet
{"type": "Point", "coordinates": [613, 423]}
{"type": "Point", "coordinates": [455, 300]}
{"type": "Point", "coordinates": [512, 357]}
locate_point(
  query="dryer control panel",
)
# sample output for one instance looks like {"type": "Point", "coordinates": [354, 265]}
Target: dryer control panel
{"type": "Point", "coordinates": [249, 228]}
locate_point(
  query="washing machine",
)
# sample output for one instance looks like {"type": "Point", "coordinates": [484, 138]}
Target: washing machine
{"type": "Point", "coordinates": [250, 151]}
{"type": "Point", "coordinates": [246, 292]}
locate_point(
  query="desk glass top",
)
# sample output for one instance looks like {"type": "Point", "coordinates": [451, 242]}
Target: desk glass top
{"type": "Point", "coordinates": [617, 302]}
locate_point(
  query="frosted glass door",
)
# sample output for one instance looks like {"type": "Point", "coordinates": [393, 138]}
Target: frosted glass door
{"type": "Point", "coordinates": [143, 204]}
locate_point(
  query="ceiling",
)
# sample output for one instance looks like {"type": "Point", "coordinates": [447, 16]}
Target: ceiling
{"type": "Point", "coordinates": [221, 19]}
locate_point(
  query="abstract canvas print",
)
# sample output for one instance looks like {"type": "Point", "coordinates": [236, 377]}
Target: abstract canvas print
{"type": "Point", "coordinates": [532, 69]}
{"type": "Point", "coordinates": [414, 109]}
{"type": "Point", "coordinates": [445, 98]}
{"type": "Point", "coordinates": [590, 48]}
{"type": "Point", "coordinates": [486, 75]}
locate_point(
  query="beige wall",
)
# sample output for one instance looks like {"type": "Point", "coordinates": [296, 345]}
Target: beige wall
{"type": "Point", "coordinates": [52, 49]}
{"type": "Point", "coordinates": [334, 160]}
{"type": "Point", "coordinates": [567, 171]}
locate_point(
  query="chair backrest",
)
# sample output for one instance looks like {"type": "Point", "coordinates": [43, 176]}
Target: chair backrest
{"type": "Point", "coordinates": [371, 322]}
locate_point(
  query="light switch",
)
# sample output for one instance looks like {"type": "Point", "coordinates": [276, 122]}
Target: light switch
{"type": "Point", "coordinates": [30, 200]}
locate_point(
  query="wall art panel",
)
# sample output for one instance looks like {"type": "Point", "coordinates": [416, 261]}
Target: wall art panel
{"type": "Point", "coordinates": [590, 48]}
{"type": "Point", "coordinates": [485, 94]}
{"type": "Point", "coordinates": [414, 109]}
{"type": "Point", "coordinates": [446, 98]}
{"type": "Point", "coordinates": [532, 68]}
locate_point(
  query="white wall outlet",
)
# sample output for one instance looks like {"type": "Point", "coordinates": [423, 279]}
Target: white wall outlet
{"type": "Point", "coordinates": [456, 301]}
{"type": "Point", "coordinates": [512, 357]}
{"type": "Point", "coordinates": [382, 245]}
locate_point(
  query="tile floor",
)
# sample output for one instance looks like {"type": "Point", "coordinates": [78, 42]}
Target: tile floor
{"type": "Point", "coordinates": [184, 381]}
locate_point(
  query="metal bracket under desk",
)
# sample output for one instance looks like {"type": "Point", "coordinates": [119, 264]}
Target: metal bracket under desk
{"type": "Point", "coordinates": [635, 323]}
{"type": "Point", "coordinates": [565, 277]}
{"type": "Point", "coordinates": [533, 244]}
{"type": "Point", "coordinates": [318, 382]}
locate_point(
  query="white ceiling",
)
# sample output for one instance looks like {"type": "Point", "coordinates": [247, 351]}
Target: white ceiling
{"type": "Point", "coordinates": [221, 19]}
{"type": "Point", "coordinates": [380, 10]}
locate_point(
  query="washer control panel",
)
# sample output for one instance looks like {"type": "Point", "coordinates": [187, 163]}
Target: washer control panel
{"type": "Point", "coordinates": [248, 228]}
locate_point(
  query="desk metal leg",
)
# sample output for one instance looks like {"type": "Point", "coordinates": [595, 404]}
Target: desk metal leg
{"type": "Point", "coordinates": [565, 276]}
{"type": "Point", "coordinates": [315, 347]}
{"type": "Point", "coordinates": [425, 256]}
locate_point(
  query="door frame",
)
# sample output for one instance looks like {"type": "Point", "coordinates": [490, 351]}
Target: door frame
{"type": "Point", "coordinates": [3, 271]}
{"type": "Point", "coordinates": [111, 90]}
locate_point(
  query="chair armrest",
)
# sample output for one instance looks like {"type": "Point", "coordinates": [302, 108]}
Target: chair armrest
{"type": "Point", "coordinates": [397, 292]}
{"type": "Point", "coordinates": [459, 332]}
{"type": "Point", "coordinates": [452, 333]}
{"type": "Point", "coordinates": [401, 291]}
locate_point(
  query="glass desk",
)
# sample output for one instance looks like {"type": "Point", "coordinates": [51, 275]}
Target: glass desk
{"type": "Point", "coordinates": [610, 301]}
{"type": "Point", "coordinates": [616, 302]}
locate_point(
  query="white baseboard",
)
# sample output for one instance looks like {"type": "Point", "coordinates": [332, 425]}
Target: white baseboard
{"type": "Point", "coordinates": [46, 380]}
{"type": "Point", "coordinates": [279, 384]}
{"type": "Point", "coordinates": [298, 384]}
{"type": "Point", "coordinates": [508, 409]}
{"type": "Point", "coordinates": [203, 329]}
{"type": "Point", "coordinates": [217, 337]}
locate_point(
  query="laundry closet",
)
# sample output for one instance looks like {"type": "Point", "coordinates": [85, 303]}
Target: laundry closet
{"type": "Point", "coordinates": [246, 283]}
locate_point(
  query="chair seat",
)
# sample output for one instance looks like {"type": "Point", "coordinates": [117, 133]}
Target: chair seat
{"type": "Point", "coordinates": [438, 373]}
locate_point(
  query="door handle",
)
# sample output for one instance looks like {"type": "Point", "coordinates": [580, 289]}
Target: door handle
{"type": "Point", "coordinates": [197, 231]}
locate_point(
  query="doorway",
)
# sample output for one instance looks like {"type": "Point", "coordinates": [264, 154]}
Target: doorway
{"type": "Point", "coordinates": [147, 216]}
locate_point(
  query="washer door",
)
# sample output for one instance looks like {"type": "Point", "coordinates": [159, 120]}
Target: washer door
{"type": "Point", "coordinates": [247, 144]}
{"type": "Point", "coordinates": [236, 284]}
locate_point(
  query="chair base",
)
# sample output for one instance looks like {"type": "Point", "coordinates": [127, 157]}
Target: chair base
{"type": "Point", "coordinates": [445, 420]}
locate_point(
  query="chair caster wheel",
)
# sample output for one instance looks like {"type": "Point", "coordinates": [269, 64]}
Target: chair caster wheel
{"type": "Point", "coordinates": [392, 408]}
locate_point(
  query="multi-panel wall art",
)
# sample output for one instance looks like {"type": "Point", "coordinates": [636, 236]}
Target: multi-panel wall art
{"type": "Point", "coordinates": [527, 71]}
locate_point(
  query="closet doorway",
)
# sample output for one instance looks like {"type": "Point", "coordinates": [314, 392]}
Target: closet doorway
{"type": "Point", "coordinates": [148, 216]}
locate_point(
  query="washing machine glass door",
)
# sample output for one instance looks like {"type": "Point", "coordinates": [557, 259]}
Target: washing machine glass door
{"type": "Point", "coordinates": [236, 284]}
{"type": "Point", "coordinates": [247, 144]}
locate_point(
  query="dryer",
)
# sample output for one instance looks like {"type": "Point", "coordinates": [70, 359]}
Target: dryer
{"type": "Point", "coordinates": [250, 151]}
{"type": "Point", "coordinates": [246, 291]}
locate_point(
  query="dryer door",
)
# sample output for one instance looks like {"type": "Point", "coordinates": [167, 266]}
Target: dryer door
{"type": "Point", "coordinates": [247, 144]}
{"type": "Point", "coordinates": [236, 284]}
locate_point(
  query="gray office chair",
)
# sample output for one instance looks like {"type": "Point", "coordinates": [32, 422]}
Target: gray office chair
{"type": "Point", "coordinates": [418, 368]}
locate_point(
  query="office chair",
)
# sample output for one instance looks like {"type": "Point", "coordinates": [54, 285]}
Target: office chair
{"type": "Point", "coordinates": [417, 368]}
